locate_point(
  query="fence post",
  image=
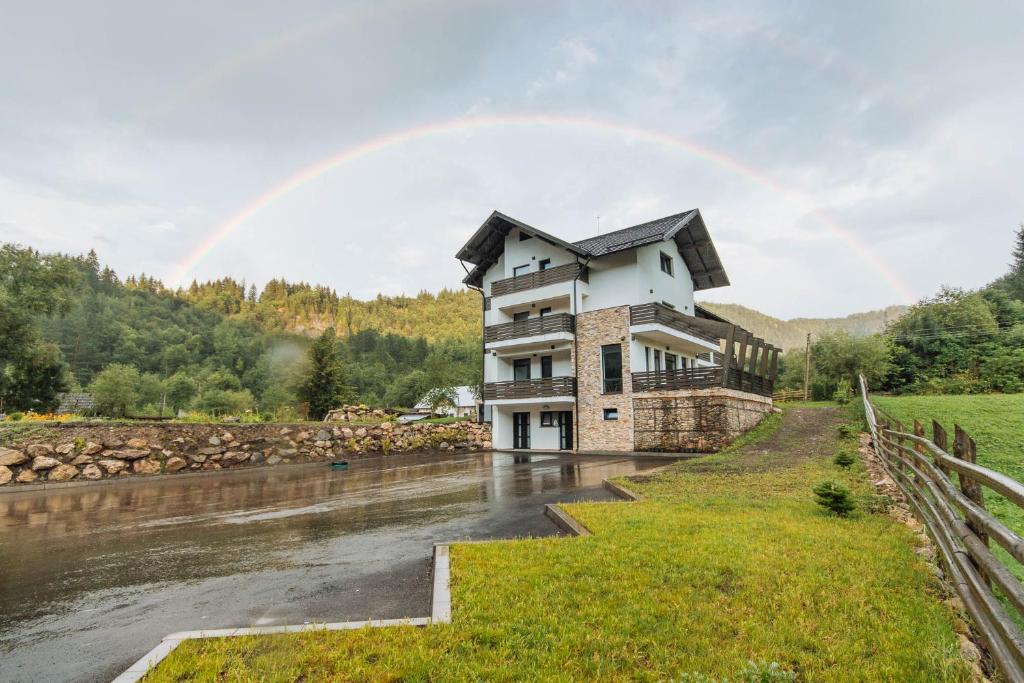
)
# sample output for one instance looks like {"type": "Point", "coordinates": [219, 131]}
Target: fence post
{"type": "Point", "coordinates": [897, 453]}
{"type": "Point", "coordinates": [919, 431]}
{"type": "Point", "coordinates": [940, 440]}
{"type": "Point", "coordinates": [727, 354]}
{"type": "Point", "coordinates": [964, 448]}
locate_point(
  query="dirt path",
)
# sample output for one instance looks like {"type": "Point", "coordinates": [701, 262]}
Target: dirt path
{"type": "Point", "coordinates": [805, 434]}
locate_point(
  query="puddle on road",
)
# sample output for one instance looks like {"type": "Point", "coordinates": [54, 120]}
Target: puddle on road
{"type": "Point", "coordinates": [238, 539]}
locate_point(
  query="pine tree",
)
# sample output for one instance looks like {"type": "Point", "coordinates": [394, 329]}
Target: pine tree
{"type": "Point", "coordinates": [325, 387]}
{"type": "Point", "coordinates": [1015, 278]}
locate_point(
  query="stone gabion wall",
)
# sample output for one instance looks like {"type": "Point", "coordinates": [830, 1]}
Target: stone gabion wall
{"type": "Point", "coordinates": [593, 330]}
{"type": "Point", "coordinates": [695, 420]}
{"type": "Point", "coordinates": [95, 451]}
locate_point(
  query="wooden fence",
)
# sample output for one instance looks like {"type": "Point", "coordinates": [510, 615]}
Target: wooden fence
{"type": "Point", "coordinates": [953, 511]}
{"type": "Point", "coordinates": [788, 395]}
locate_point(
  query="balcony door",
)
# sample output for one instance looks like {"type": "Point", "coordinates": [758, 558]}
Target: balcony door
{"type": "Point", "coordinates": [565, 430]}
{"type": "Point", "coordinates": [521, 369]}
{"type": "Point", "coordinates": [520, 430]}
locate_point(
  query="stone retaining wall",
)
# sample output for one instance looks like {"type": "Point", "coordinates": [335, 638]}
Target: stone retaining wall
{"type": "Point", "coordinates": [93, 451]}
{"type": "Point", "coordinates": [695, 420]}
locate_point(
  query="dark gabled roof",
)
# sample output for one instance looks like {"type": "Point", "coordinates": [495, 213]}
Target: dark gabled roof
{"type": "Point", "coordinates": [690, 234]}
{"type": "Point", "coordinates": [636, 236]}
{"type": "Point", "coordinates": [487, 243]}
{"type": "Point", "coordinates": [686, 228]}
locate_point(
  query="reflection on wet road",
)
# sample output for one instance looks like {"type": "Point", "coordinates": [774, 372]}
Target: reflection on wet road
{"type": "Point", "coordinates": [93, 577]}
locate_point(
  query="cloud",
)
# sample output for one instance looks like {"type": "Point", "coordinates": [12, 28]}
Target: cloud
{"type": "Point", "coordinates": [851, 122]}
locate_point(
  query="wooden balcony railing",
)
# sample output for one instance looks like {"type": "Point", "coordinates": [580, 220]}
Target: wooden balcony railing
{"type": "Point", "coordinates": [547, 324]}
{"type": "Point", "coordinates": [539, 278]}
{"type": "Point", "coordinates": [683, 378]}
{"type": "Point", "coordinates": [646, 314]}
{"type": "Point", "coordinates": [701, 378]}
{"type": "Point", "coordinates": [530, 388]}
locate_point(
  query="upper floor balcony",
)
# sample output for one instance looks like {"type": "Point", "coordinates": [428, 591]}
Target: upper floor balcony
{"type": "Point", "coordinates": [559, 326]}
{"type": "Point", "coordinates": [660, 314]}
{"type": "Point", "coordinates": [539, 278]}
{"type": "Point", "coordinates": [515, 390]}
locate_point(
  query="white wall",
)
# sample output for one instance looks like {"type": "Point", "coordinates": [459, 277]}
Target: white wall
{"type": "Point", "coordinates": [540, 437]}
{"type": "Point", "coordinates": [612, 282]}
{"type": "Point", "coordinates": [638, 357]}
{"type": "Point", "coordinates": [529, 252]}
{"type": "Point", "coordinates": [635, 277]}
{"type": "Point", "coordinates": [504, 371]}
{"type": "Point", "coordinates": [676, 289]}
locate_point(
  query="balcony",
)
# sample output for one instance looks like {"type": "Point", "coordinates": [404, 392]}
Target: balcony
{"type": "Point", "coordinates": [547, 324]}
{"type": "Point", "coordinates": [702, 378]}
{"type": "Point", "coordinates": [539, 278]}
{"type": "Point", "coordinates": [659, 314]}
{"type": "Point", "coordinates": [547, 387]}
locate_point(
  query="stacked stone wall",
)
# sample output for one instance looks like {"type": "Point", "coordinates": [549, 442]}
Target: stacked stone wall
{"type": "Point", "coordinates": [695, 420]}
{"type": "Point", "coordinates": [79, 451]}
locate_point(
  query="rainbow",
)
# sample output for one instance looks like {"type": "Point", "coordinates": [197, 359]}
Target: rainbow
{"type": "Point", "coordinates": [471, 123]}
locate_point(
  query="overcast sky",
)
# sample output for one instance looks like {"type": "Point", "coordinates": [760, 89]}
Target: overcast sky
{"type": "Point", "coordinates": [843, 158]}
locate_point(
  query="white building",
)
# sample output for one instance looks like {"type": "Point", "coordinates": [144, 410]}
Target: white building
{"type": "Point", "coordinates": [466, 404]}
{"type": "Point", "coordinates": [578, 337]}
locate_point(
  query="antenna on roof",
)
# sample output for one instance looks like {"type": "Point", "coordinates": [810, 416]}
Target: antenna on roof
{"type": "Point", "coordinates": [598, 224]}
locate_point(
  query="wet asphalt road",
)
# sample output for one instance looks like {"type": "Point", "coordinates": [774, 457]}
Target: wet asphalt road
{"type": "Point", "coordinates": [93, 577]}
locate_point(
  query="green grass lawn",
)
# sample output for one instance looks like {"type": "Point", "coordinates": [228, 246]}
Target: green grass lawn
{"type": "Point", "coordinates": [726, 561]}
{"type": "Point", "coordinates": [994, 421]}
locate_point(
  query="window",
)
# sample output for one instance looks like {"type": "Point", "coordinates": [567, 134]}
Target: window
{"type": "Point", "coordinates": [547, 419]}
{"type": "Point", "coordinates": [521, 270]}
{"type": "Point", "coordinates": [666, 263]}
{"type": "Point", "coordinates": [611, 413]}
{"type": "Point", "coordinates": [522, 315]}
{"type": "Point", "coordinates": [523, 236]}
{"type": "Point", "coordinates": [670, 361]}
{"type": "Point", "coordinates": [545, 311]}
{"type": "Point", "coordinates": [611, 368]}
{"type": "Point", "coordinates": [521, 368]}
{"type": "Point", "coordinates": [647, 358]}
{"type": "Point", "coordinates": [545, 366]}
{"type": "Point", "coordinates": [657, 360]}
{"type": "Point", "coordinates": [544, 264]}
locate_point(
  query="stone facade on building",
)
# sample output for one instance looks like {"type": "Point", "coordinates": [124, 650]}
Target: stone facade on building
{"type": "Point", "coordinates": [595, 329]}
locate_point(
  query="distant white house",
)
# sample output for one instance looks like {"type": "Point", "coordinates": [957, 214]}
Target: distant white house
{"type": "Point", "coordinates": [465, 404]}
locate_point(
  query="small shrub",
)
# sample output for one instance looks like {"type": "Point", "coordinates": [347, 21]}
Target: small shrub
{"type": "Point", "coordinates": [79, 444]}
{"type": "Point", "coordinates": [834, 498]}
{"type": "Point", "coordinates": [15, 416]}
{"type": "Point", "coordinates": [845, 431]}
{"type": "Point", "coordinates": [766, 673]}
{"type": "Point", "coordinates": [844, 459]}
{"type": "Point", "coordinates": [874, 503]}
{"type": "Point", "coordinates": [386, 445]}
{"type": "Point", "coordinates": [843, 392]}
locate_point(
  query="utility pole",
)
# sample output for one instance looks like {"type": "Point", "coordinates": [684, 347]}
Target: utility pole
{"type": "Point", "coordinates": [807, 367]}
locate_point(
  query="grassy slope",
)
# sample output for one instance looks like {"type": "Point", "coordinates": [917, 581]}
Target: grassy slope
{"type": "Point", "coordinates": [994, 421]}
{"type": "Point", "coordinates": [726, 560]}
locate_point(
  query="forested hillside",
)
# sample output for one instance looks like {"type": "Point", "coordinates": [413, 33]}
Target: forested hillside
{"type": "Point", "coordinates": [70, 323]}
{"type": "Point", "coordinates": [791, 334]}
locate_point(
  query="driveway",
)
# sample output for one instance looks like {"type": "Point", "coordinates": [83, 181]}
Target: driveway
{"type": "Point", "coordinates": [93, 577]}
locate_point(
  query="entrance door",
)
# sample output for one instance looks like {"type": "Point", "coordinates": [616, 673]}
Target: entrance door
{"type": "Point", "coordinates": [565, 430]}
{"type": "Point", "coordinates": [520, 430]}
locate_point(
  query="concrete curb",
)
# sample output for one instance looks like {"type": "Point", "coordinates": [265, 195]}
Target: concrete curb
{"type": "Point", "coordinates": [619, 490]}
{"type": "Point", "coordinates": [564, 521]}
